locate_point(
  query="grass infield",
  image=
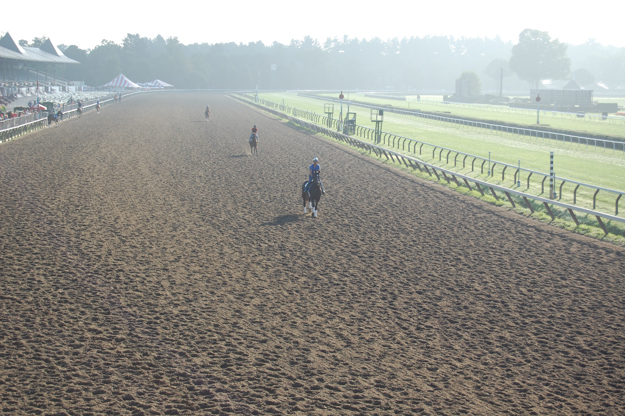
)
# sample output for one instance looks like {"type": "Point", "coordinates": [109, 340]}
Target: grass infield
{"type": "Point", "coordinates": [603, 168]}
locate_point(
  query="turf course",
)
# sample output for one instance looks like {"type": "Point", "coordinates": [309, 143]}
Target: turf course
{"type": "Point", "coordinates": [597, 167]}
{"type": "Point", "coordinates": [584, 126]}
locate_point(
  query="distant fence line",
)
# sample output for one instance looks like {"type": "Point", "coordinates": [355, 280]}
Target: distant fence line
{"type": "Point", "coordinates": [515, 110]}
{"type": "Point", "coordinates": [396, 141]}
{"type": "Point", "coordinates": [613, 145]}
{"type": "Point", "coordinates": [69, 111]}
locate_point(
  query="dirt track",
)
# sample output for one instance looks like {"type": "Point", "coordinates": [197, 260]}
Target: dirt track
{"type": "Point", "coordinates": [149, 264]}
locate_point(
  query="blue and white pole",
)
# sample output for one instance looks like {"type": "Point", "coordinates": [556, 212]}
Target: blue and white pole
{"type": "Point", "coordinates": [552, 177]}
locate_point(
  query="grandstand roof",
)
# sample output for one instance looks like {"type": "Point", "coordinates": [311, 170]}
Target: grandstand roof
{"type": "Point", "coordinates": [9, 49]}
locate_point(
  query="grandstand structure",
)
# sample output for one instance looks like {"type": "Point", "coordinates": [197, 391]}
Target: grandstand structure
{"type": "Point", "coordinates": [25, 71]}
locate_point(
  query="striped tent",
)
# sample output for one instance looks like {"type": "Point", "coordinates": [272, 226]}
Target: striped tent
{"type": "Point", "coordinates": [157, 83]}
{"type": "Point", "coordinates": [121, 81]}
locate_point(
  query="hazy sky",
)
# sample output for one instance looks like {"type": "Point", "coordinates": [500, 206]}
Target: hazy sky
{"type": "Point", "coordinates": [86, 23]}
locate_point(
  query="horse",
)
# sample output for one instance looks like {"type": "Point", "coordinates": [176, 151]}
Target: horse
{"type": "Point", "coordinates": [254, 144]}
{"type": "Point", "coordinates": [97, 107]}
{"type": "Point", "coordinates": [79, 111]}
{"type": "Point", "coordinates": [313, 195]}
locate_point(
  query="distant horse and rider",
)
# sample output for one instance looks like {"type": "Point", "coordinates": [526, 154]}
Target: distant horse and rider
{"type": "Point", "coordinates": [207, 113]}
{"type": "Point", "coordinates": [254, 140]}
{"type": "Point", "coordinates": [55, 117]}
{"type": "Point", "coordinates": [313, 188]}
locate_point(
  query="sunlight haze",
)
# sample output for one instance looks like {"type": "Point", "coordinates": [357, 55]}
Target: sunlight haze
{"type": "Point", "coordinates": [86, 24]}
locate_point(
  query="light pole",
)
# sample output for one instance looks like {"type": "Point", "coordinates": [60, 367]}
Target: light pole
{"type": "Point", "coordinates": [538, 109]}
{"type": "Point", "coordinates": [257, 86]}
{"type": "Point", "coordinates": [340, 126]}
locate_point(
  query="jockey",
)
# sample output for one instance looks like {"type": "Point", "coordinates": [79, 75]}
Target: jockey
{"type": "Point", "coordinates": [255, 132]}
{"type": "Point", "coordinates": [314, 169]}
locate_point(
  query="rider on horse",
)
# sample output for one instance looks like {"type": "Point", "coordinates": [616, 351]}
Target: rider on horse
{"type": "Point", "coordinates": [207, 112]}
{"type": "Point", "coordinates": [314, 169]}
{"type": "Point", "coordinates": [255, 132]}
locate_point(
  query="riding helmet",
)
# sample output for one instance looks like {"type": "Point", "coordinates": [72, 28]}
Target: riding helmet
{"type": "Point", "coordinates": [315, 159]}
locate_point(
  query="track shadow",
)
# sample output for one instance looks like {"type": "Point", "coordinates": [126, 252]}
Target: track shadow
{"type": "Point", "coordinates": [284, 219]}
{"type": "Point", "coordinates": [237, 156]}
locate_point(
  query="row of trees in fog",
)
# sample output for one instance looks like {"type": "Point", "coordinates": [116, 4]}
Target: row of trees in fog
{"type": "Point", "coordinates": [431, 62]}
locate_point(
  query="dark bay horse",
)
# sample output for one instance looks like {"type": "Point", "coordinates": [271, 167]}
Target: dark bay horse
{"type": "Point", "coordinates": [313, 195]}
{"type": "Point", "coordinates": [254, 144]}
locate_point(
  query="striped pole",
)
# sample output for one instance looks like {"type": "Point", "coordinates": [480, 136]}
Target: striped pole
{"type": "Point", "coordinates": [551, 177]}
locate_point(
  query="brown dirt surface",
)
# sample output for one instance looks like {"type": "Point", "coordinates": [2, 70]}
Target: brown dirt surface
{"type": "Point", "coordinates": [150, 265]}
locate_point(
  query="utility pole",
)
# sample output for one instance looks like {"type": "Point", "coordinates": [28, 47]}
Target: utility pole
{"type": "Point", "coordinates": [501, 83]}
{"type": "Point", "coordinates": [257, 86]}
{"type": "Point", "coordinates": [538, 109]}
{"type": "Point", "coordinates": [340, 125]}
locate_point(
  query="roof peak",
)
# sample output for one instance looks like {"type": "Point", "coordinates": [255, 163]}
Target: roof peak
{"type": "Point", "coordinates": [8, 42]}
{"type": "Point", "coordinates": [49, 47]}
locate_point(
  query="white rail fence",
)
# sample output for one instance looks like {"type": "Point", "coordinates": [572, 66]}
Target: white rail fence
{"type": "Point", "coordinates": [439, 172]}
{"type": "Point", "coordinates": [70, 111]}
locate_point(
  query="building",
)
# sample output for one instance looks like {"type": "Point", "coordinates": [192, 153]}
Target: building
{"type": "Point", "coordinates": [23, 63]}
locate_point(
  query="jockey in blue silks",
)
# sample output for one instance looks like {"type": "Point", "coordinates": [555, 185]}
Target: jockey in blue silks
{"type": "Point", "coordinates": [255, 132]}
{"type": "Point", "coordinates": [314, 169]}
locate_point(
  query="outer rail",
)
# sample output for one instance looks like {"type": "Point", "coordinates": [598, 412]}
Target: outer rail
{"type": "Point", "coordinates": [17, 131]}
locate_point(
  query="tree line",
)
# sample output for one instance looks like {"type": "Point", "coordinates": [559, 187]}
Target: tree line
{"type": "Point", "coordinates": [420, 63]}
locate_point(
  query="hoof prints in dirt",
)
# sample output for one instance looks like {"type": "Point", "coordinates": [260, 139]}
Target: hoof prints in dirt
{"type": "Point", "coordinates": [145, 270]}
